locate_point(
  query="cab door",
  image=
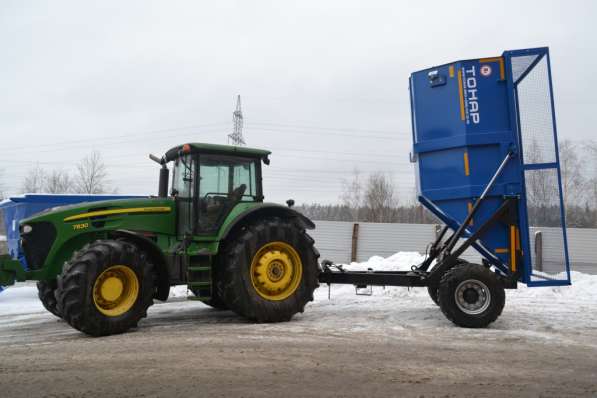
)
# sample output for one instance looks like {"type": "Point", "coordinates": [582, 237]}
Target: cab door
{"type": "Point", "coordinates": [184, 183]}
{"type": "Point", "coordinates": [224, 182]}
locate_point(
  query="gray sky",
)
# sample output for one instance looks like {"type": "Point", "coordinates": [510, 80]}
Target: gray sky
{"type": "Point", "coordinates": [324, 83]}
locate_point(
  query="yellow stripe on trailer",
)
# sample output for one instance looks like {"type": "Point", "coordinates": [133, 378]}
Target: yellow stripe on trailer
{"type": "Point", "coordinates": [461, 95]}
{"type": "Point", "coordinates": [513, 247]}
{"type": "Point", "coordinates": [467, 168]}
{"type": "Point", "coordinates": [469, 207]}
{"type": "Point", "coordinates": [129, 210]}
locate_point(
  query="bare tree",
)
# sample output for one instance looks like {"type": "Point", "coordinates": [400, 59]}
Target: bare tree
{"type": "Point", "coordinates": [573, 176]}
{"type": "Point", "coordinates": [91, 175]}
{"type": "Point", "coordinates": [380, 199]}
{"type": "Point", "coordinates": [58, 181]}
{"type": "Point", "coordinates": [34, 181]}
{"type": "Point", "coordinates": [352, 195]}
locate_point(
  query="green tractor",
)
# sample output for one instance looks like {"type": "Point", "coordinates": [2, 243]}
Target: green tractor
{"type": "Point", "coordinates": [100, 265]}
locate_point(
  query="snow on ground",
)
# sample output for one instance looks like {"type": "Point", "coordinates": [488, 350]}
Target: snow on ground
{"type": "Point", "coordinates": [565, 313]}
{"type": "Point", "coordinates": [20, 299]}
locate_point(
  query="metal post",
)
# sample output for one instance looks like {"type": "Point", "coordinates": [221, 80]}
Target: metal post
{"type": "Point", "coordinates": [355, 243]}
{"type": "Point", "coordinates": [538, 251]}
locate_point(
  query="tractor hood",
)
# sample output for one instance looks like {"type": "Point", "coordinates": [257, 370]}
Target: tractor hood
{"type": "Point", "coordinates": [44, 234]}
{"type": "Point", "coordinates": [103, 210]}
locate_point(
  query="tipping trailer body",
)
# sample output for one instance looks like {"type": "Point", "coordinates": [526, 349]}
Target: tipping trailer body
{"type": "Point", "coordinates": [486, 153]}
{"type": "Point", "coordinates": [467, 116]}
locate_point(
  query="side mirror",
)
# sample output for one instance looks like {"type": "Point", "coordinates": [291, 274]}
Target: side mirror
{"type": "Point", "coordinates": [290, 202]}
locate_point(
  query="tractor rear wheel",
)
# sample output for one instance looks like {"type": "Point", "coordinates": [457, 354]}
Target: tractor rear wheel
{"type": "Point", "coordinates": [46, 292]}
{"type": "Point", "coordinates": [471, 295]}
{"type": "Point", "coordinates": [106, 288]}
{"type": "Point", "coordinates": [270, 271]}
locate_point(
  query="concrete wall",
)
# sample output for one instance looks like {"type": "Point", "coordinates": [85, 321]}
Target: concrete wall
{"type": "Point", "coordinates": [333, 239]}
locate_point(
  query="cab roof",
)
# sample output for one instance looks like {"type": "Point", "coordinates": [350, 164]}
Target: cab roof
{"type": "Point", "coordinates": [216, 149]}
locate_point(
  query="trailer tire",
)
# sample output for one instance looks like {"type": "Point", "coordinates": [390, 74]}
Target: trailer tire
{"type": "Point", "coordinates": [46, 292]}
{"type": "Point", "coordinates": [270, 270]}
{"type": "Point", "coordinates": [471, 295]}
{"type": "Point", "coordinates": [433, 292]}
{"type": "Point", "coordinates": [433, 289]}
{"type": "Point", "coordinates": [106, 288]}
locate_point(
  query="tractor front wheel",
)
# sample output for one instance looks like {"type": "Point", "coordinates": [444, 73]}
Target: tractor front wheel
{"type": "Point", "coordinates": [46, 292]}
{"type": "Point", "coordinates": [270, 271]}
{"type": "Point", "coordinates": [471, 295]}
{"type": "Point", "coordinates": [106, 288]}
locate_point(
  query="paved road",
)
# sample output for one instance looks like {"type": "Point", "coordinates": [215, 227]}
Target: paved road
{"type": "Point", "coordinates": [187, 349]}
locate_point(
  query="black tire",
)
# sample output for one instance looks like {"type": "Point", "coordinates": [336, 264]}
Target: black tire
{"type": "Point", "coordinates": [433, 289]}
{"type": "Point", "coordinates": [471, 295]}
{"type": "Point", "coordinates": [236, 286]}
{"type": "Point", "coordinates": [433, 292]}
{"type": "Point", "coordinates": [75, 294]}
{"type": "Point", "coordinates": [46, 293]}
{"type": "Point", "coordinates": [215, 302]}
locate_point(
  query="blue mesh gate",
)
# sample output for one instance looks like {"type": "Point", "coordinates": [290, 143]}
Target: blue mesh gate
{"type": "Point", "coordinates": [532, 102]}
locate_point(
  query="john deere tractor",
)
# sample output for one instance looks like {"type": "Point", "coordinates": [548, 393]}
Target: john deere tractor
{"type": "Point", "coordinates": [100, 265]}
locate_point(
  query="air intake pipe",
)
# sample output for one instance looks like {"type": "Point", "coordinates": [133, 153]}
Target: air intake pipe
{"type": "Point", "coordinates": [163, 182]}
{"type": "Point", "coordinates": [164, 174]}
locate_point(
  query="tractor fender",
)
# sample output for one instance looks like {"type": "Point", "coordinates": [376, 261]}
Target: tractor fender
{"type": "Point", "coordinates": [157, 257]}
{"type": "Point", "coordinates": [266, 210]}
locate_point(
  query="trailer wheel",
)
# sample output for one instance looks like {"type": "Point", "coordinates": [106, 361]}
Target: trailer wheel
{"type": "Point", "coordinates": [471, 296]}
{"type": "Point", "coordinates": [433, 292]}
{"type": "Point", "coordinates": [106, 288]}
{"type": "Point", "coordinates": [46, 292]}
{"type": "Point", "coordinates": [433, 289]}
{"type": "Point", "coordinates": [270, 271]}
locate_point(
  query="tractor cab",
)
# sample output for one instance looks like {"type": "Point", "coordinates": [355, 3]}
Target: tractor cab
{"type": "Point", "coordinates": [208, 181]}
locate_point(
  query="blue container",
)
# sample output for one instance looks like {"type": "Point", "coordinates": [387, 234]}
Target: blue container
{"type": "Point", "coordinates": [19, 207]}
{"type": "Point", "coordinates": [467, 117]}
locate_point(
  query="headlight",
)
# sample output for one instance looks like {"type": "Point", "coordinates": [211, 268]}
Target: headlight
{"type": "Point", "coordinates": [26, 229]}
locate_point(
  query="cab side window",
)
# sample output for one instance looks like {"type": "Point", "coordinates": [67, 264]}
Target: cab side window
{"type": "Point", "coordinates": [224, 181]}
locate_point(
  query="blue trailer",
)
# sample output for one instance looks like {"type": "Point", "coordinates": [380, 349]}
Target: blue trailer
{"type": "Point", "coordinates": [487, 165]}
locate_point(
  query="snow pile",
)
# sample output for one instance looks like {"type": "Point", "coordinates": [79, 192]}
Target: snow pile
{"type": "Point", "coordinates": [584, 287]}
{"type": "Point", "coordinates": [401, 261]}
{"type": "Point", "coordinates": [179, 291]}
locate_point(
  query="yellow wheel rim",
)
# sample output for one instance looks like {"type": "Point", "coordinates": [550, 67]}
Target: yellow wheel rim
{"type": "Point", "coordinates": [116, 290]}
{"type": "Point", "coordinates": [276, 271]}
